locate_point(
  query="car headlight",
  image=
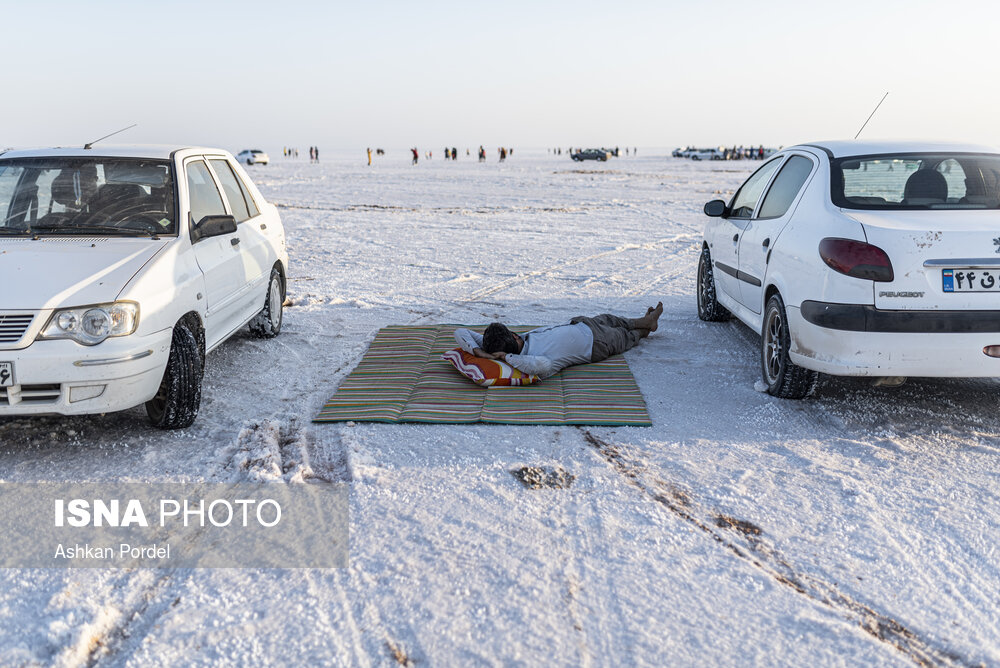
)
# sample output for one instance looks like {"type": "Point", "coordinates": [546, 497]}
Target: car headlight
{"type": "Point", "coordinates": [90, 325]}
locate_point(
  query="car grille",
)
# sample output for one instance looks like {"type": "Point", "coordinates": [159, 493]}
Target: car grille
{"type": "Point", "coordinates": [34, 394]}
{"type": "Point", "coordinates": [13, 326]}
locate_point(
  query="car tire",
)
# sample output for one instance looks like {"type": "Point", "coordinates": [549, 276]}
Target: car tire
{"type": "Point", "coordinates": [178, 399]}
{"type": "Point", "coordinates": [249, 161]}
{"type": "Point", "coordinates": [709, 308]}
{"type": "Point", "coordinates": [267, 323]}
{"type": "Point", "coordinates": [783, 377]}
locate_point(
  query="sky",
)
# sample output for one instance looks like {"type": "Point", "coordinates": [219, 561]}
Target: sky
{"type": "Point", "coordinates": [526, 74]}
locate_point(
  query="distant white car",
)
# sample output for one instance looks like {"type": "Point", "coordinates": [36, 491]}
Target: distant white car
{"type": "Point", "coordinates": [705, 154]}
{"type": "Point", "coordinates": [861, 259]}
{"type": "Point", "coordinates": [253, 156]}
{"type": "Point", "coordinates": [122, 268]}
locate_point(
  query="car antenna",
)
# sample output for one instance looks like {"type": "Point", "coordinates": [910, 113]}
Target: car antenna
{"type": "Point", "coordinates": [872, 114]}
{"type": "Point", "coordinates": [88, 145]}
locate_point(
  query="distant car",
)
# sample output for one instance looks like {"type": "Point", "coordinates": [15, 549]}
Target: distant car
{"type": "Point", "coordinates": [861, 259]}
{"type": "Point", "coordinates": [592, 154]}
{"type": "Point", "coordinates": [706, 154]}
{"type": "Point", "coordinates": [253, 156]}
{"type": "Point", "coordinates": [680, 152]}
{"type": "Point", "coordinates": [122, 267]}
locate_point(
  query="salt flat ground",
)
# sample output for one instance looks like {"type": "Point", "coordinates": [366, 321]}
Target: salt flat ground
{"type": "Point", "coordinates": [857, 527]}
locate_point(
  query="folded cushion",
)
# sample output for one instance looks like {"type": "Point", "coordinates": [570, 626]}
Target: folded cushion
{"type": "Point", "coordinates": [485, 371]}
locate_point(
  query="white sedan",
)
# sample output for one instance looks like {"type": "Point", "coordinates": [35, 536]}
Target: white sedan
{"type": "Point", "coordinates": [253, 156]}
{"type": "Point", "coordinates": [123, 267]}
{"type": "Point", "coordinates": [861, 259]}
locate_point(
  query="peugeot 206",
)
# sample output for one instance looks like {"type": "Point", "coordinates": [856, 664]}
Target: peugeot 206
{"type": "Point", "coordinates": [861, 259]}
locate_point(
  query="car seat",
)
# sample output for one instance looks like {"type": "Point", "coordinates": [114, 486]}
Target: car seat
{"type": "Point", "coordinates": [115, 200]}
{"type": "Point", "coordinates": [925, 186]}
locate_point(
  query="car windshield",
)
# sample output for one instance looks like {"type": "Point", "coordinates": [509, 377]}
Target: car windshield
{"type": "Point", "coordinates": [93, 196]}
{"type": "Point", "coordinates": [917, 181]}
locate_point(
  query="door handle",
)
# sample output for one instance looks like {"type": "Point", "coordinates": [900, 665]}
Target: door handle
{"type": "Point", "coordinates": [767, 242]}
{"type": "Point", "coordinates": [736, 237]}
{"type": "Point", "coordinates": [235, 241]}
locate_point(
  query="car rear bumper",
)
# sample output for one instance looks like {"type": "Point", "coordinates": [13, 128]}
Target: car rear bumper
{"type": "Point", "coordinates": [63, 377]}
{"type": "Point", "coordinates": [864, 341]}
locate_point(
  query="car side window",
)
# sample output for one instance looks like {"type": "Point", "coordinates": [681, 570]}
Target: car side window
{"type": "Point", "coordinates": [204, 196]}
{"type": "Point", "coordinates": [747, 196]}
{"type": "Point", "coordinates": [251, 205]}
{"type": "Point", "coordinates": [786, 186]}
{"type": "Point", "coordinates": [232, 189]}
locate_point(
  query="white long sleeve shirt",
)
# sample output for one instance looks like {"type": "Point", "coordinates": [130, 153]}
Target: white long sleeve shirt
{"type": "Point", "coordinates": [546, 351]}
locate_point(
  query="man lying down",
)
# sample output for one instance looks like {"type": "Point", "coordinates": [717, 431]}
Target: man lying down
{"type": "Point", "coordinates": [545, 351]}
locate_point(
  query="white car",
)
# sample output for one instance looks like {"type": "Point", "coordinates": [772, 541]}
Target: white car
{"type": "Point", "coordinates": [861, 259]}
{"type": "Point", "coordinates": [705, 154]}
{"type": "Point", "coordinates": [122, 268]}
{"type": "Point", "coordinates": [253, 156]}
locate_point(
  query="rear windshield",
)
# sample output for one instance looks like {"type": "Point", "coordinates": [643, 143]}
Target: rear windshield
{"type": "Point", "coordinates": [92, 196]}
{"type": "Point", "coordinates": [917, 181]}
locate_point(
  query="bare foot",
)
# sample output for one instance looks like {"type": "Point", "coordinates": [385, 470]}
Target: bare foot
{"type": "Point", "coordinates": [654, 316]}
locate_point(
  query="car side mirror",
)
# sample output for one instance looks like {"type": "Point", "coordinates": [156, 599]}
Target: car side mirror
{"type": "Point", "coordinates": [212, 226]}
{"type": "Point", "coordinates": [716, 208]}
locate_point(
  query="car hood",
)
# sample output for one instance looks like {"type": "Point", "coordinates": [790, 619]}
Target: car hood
{"type": "Point", "coordinates": [56, 272]}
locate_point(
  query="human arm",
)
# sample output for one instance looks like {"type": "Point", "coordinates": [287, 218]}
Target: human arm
{"type": "Point", "coordinates": [534, 365]}
{"type": "Point", "coordinates": [472, 342]}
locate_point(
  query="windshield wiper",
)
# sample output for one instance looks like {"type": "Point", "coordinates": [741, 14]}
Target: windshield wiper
{"type": "Point", "coordinates": [74, 229]}
{"type": "Point", "coordinates": [13, 230]}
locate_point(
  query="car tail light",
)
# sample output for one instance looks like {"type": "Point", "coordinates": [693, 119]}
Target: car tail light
{"type": "Point", "coordinates": [857, 259]}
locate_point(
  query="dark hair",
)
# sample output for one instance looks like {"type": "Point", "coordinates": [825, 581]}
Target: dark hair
{"type": "Point", "coordinates": [497, 338]}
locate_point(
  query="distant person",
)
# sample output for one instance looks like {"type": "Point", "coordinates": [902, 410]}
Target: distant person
{"type": "Point", "coordinates": [760, 152]}
{"type": "Point", "coordinates": [416, 155]}
{"type": "Point", "coordinates": [369, 157]}
{"type": "Point", "coordinates": [482, 154]}
{"type": "Point", "coordinates": [316, 152]}
{"type": "Point", "coordinates": [503, 154]}
{"type": "Point", "coordinates": [447, 152]}
{"type": "Point", "coordinates": [454, 153]}
{"type": "Point", "coordinates": [547, 350]}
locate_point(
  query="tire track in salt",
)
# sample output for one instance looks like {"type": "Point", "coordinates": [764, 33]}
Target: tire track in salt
{"type": "Point", "coordinates": [745, 540]}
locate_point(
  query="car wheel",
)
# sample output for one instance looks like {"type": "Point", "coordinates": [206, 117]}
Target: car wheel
{"type": "Point", "coordinates": [176, 403]}
{"type": "Point", "coordinates": [784, 378]}
{"type": "Point", "coordinates": [249, 161]}
{"type": "Point", "coordinates": [709, 308]}
{"type": "Point", "coordinates": [267, 323]}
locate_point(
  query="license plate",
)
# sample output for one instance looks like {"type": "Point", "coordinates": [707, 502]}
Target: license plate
{"type": "Point", "coordinates": [6, 374]}
{"type": "Point", "coordinates": [970, 280]}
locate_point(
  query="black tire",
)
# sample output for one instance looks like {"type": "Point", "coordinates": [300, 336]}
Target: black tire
{"type": "Point", "coordinates": [783, 377]}
{"type": "Point", "coordinates": [249, 161]}
{"type": "Point", "coordinates": [709, 308]}
{"type": "Point", "coordinates": [267, 323]}
{"type": "Point", "coordinates": [176, 403]}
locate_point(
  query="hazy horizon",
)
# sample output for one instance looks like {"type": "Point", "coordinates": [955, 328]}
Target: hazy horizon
{"type": "Point", "coordinates": [395, 74]}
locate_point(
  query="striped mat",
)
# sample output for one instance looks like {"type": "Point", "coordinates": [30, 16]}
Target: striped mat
{"type": "Point", "coordinates": [402, 378]}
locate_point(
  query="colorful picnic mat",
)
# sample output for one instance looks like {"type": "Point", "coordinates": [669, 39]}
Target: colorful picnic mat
{"type": "Point", "coordinates": [402, 378]}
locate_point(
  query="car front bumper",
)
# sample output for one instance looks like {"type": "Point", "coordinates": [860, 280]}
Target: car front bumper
{"type": "Point", "coordinates": [65, 378]}
{"type": "Point", "coordinates": [863, 341]}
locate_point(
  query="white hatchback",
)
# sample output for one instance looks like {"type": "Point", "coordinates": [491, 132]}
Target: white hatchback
{"type": "Point", "coordinates": [122, 267]}
{"type": "Point", "coordinates": [861, 259]}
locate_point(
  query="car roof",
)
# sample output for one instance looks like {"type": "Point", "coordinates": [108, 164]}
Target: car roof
{"type": "Point", "coordinates": [852, 147]}
{"type": "Point", "coordinates": [152, 151]}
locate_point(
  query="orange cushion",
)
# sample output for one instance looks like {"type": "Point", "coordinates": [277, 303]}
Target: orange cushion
{"type": "Point", "coordinates": [487, 372]}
